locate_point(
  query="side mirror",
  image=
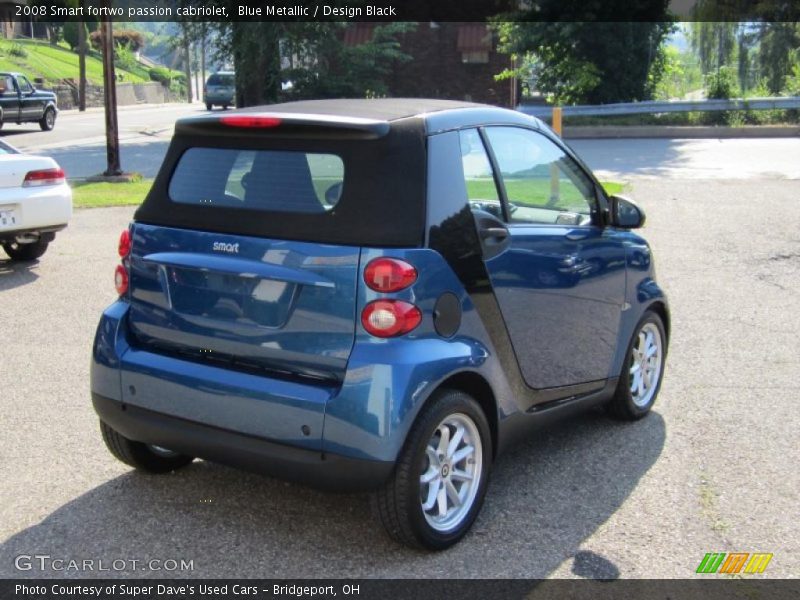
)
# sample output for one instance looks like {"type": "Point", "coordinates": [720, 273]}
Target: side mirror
{"type": "Point", "coordinates": [625, 213]}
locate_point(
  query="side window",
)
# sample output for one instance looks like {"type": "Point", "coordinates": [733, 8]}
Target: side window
{"type": "Point", "coordinates": [481, 188]}
{"type": "Point", "coordinates": [7, 85]}
{"type": "Point", "coordinates": [24, 85]}
{"type": "Point", "coordinates": [542, 183]}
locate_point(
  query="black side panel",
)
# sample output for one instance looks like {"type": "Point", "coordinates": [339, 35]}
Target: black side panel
{"type": "Point", "coordinates": [383, 198]}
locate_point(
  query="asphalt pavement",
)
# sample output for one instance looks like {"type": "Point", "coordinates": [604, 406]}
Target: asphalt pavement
{"type": "Point", "coordinates": [78, 140]}
{"type": "Point", "coordinates": [712, 469]}
{"type": "Point", "coordinates": [78, 144]}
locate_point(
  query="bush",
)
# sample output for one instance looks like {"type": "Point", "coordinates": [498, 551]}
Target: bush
{"type": "Point", "coordinates": [721, 85]}
{"type": "Point", "coordinates": [133, 40]}
{"type": "Point", "coordinates": [18, 50]}
{"type": "Point", "coordinates": [163, 75]}
{"type": "Point", "coordinates": [174, 80]}
{"type": "Point", "coordinates": [125, 58]}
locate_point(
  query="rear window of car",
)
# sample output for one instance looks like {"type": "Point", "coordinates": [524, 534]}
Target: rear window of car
{"type": "Point", "coordinates": [218, 79]}
{"type": "Point", "coordinates": [258, 180]}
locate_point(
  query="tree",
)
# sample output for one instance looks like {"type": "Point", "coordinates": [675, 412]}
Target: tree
{"type": "Point", "coordinates": [71, 33]}
{"type": "Point", "coordinates": [760, 45]}
{"type": "Point", "coordinates": [311, 56]}
{"type": "Point", "coordinates": [576, 57]}
{"type": "Point", "coordinates": [777, 42]}
{"type": "Point", "coordinates": [325, 67]}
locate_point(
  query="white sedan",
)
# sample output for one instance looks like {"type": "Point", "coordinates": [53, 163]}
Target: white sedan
{"type": "Point", "coordinates": [35, 203]}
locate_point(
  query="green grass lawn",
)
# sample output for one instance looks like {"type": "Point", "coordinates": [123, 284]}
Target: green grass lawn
{"type": "Point", "coordinates": [536, 192]}
{"type": "Point", "coordinates": [96, 195]}
{"type": "Point", "coordinates": [53, 63]}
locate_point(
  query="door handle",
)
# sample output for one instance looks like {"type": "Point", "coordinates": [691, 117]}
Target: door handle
{"type": "Point", "coordinates": [494, 233]}
{"type": "Point", "coordinates": [576, 236]}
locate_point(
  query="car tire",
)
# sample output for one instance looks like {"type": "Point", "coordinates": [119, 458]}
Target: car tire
{"type": "Point", "coordinates": [209, 106]}
{"type": "Point", "coordinates": [642, 371]}
{"type": "Point", "coordinates": [25, 252]}
{"type": "Point", "coordinates": [143, 457]}
{"type": "Point", "coordinates": [408, 506]}
{"type": "Point", "coordinates": [48, 120]}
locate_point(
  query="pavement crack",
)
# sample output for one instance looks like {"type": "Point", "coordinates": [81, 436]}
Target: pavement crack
{"type": "Point", "coordinates": [708, 506]}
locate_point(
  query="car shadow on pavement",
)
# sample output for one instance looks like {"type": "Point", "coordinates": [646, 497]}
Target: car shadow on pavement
{"type": "Point", "coordinates": [16, 274]}
{"type": "Point", "coordinates": [546, 497]}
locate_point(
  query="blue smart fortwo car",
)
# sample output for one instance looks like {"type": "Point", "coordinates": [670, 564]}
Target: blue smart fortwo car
{"type": "Point", "coordinates": [373, 295]}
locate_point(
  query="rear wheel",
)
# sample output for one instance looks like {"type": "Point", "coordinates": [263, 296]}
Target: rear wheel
{"type": "Point", "coordinates": [209, 106]}
{"type": "Point", "coordinates": [145, 457]}
{"type": "Point", "coordinates": [440, 480]}
{"type": "Point", "coordinates": [25, 252]}
{"type": "Point", "coordinates": [48, 120]}
{"type": "Point", "coordinates": [642, 372]}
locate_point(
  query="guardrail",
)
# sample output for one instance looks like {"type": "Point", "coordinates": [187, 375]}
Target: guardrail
{"type": "Point", "coordinates": [649, 107]}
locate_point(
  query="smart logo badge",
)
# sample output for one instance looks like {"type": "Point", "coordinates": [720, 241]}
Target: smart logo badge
{"type": "Point", "coordinates": [732, 563]}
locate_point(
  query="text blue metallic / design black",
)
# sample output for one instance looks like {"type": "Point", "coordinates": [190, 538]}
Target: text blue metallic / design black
{"type": "Point", "coordinates": [373, 295]}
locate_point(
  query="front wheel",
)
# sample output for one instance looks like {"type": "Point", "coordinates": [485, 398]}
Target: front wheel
{"type": "Point", "coordinates": [209, 106]}
{"type": "Point", "coordinates": [642, 371]}
{"type": "Point", "coordinates": [145, 457]}
{"type": "Point", "coordinates": [440, 480]}
{"type": "Point", "coordinates": [25, 252]}
{"type": "Point", "coordinates": [48, 120]}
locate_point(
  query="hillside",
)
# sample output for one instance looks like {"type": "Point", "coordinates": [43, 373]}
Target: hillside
{"type": "Point", "coordinates": [53, 63]}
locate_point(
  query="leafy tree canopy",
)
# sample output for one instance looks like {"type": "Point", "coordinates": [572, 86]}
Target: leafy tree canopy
{"type": "Point", "coordinates": [573, 60]}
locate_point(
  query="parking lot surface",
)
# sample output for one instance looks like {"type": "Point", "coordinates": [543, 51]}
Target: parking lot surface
{"type": "Point", "coordinates": [712, 469]}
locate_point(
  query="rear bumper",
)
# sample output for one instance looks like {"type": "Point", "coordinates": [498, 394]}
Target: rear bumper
{"type": "Point", "coordinates": [36, 209]}
{"type": "Point", "coordinates": [218, 98]}
{"type": "Point", "coordinates": [310, 467]}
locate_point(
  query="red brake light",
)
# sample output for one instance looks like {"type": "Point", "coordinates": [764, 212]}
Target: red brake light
{"type": "Point", "coordinates": [124, 243]}
{"type": "Point", "coordinates": [121, 280]}
{"type": "Point", "coordinates": [389, 318]}
{"type": "Point", "coordinates": [249, 121]}
{"type": "Point", "coordinates": [44, 177]}
{"type": "Point", "coordinates": [389, 275]}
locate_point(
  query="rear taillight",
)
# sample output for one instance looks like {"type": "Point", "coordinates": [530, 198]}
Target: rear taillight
{"type": "Point", "coordinates": [121, 279]}
{"type": "Point", "coordinates": [389, 275]}
{"type": "Point", "coordinates": [254, 121]}
{"type": "Point", "coordinates": [389, 318]}
{"type": "Point", "coordinates": [124, 248]}
{"type": "Point", "coordinates": [44, 177]}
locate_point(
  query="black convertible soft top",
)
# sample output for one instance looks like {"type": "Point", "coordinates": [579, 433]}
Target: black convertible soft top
{"type": "Point", "coordinates": [381, 143]}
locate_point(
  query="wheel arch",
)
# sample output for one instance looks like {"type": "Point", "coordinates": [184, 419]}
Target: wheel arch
{"type": "Point", "coordinates": [476, 386]}
{"type": "Point", "coordinates": [660, 308]}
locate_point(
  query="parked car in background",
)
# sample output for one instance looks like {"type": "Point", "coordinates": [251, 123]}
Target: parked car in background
{"type": "Point", "coordinates": [373, 294]}
{"type": "Point", "coordinates": [220, 90]}
{"type": "Point", "coordinates": [21, 102]}
{"type": "Point", "coordinates": [35, 203]}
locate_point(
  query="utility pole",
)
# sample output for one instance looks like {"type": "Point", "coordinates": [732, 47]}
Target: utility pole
{"type": "Point", "coordinates": [81, 66]}
{"type": "Point", "coordinates": [110, 96]}
{"type": "Point", "coordinates": [187, 58]}
{"type": "Point", "coordinates": [203, 35]}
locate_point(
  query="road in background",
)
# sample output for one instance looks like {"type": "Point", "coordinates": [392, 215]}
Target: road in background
{"type": "Point", "coordinates": [731, 158]}
{"type": "Point", "coordinates": [78, 144]}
